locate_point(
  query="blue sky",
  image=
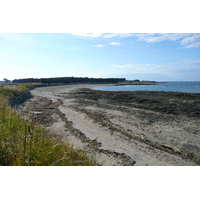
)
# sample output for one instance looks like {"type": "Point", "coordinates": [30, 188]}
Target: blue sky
{"type": "Point", "coordinates": [144, 56]}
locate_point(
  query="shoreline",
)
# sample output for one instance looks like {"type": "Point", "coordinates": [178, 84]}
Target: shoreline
{"type": "Point", "coordinates": [140, 83]}
{"type": "Point", "coordinates": [193, 89]}
{"type": "Point", "coordinates": [122, 128]}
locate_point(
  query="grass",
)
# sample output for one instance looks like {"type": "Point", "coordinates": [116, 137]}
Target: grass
{"type": "Point", "coordinates": [8, 91]}
{"type": "Point", "coordinates": [81, 90]}
{"type": "Point", "coordinates": [22, 143]}
{"type": "Point", "coordinates": [74, 91]}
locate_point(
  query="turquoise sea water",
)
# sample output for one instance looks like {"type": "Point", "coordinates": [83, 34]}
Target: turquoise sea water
{"type": "Point", "coordinates": [189, 87]}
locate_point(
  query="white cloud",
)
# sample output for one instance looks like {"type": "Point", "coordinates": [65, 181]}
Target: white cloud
{"type": "Point", "coordinates": [188, 64]}
{"type": "Point", "coordinates": [115, 43]}
{"type": "Point", "coordinates": [193, 45]}
{"type": "Point", "coordinates": [145, 65]}
{"type": "Point", "coordinates": [99, 45]}
{"type": "Point", "coordinates": [190, 39]}
{"type": "Point", "coordinates": [161, 37]}
{"type": "Point", "coordinates": [111, 35]}
{"type": "Point", "coordinates": [112, 64]}
{"type": "Point", "coordinates": [92, 35]}
{"type": "Point", "coordinates": [104, 35]}
{"type": "Point", "coordinates": [187, 40]}
{"type": "Point", "coordinates": [143, 68]}
{"type": "Point", "coordinates": [125, 66]}
{"type": "Point", "coordinates": [134, 66]}
{"type": "Point", "coordinates": [168, 68]}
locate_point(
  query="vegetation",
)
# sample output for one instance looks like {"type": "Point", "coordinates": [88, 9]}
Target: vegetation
{"type": "Point", "coordinates": [27, 80]}
{"type": "Point", "coordinates": [23, 143]}
{"type": "Point", "coordinates": [70, 80]}
{"type": "Point", "coordinates": [9, 90]}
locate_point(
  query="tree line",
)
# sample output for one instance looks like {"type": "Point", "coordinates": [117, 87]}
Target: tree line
{"type": "Point", "coordinates": [69, 80]}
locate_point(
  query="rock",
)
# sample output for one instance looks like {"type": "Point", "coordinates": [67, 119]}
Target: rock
{"type": "Point", "coordinates": [17, 100]}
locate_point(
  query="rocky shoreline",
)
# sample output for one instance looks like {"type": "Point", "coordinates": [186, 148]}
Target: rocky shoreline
{"type": "Point", "coordinates": [17, 100]}
{"type": "Point", "coordinates": [122, 128]}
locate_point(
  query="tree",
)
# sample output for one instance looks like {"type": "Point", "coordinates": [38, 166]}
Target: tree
{"type": "Point", "coordinates": [6, 80]}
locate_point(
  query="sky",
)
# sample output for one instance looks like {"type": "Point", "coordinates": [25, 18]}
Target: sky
{"type": "Point", "coordinates": [144, 56]}
{"type": "Point", "coordinates": [106, 38]}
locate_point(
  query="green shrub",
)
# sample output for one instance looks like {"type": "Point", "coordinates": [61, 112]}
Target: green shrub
{"type": "Point", "coordinates": [8, 91]}
{"type": "Point", "coordinates": [23, 143]}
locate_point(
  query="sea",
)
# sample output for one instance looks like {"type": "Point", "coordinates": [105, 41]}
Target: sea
{"type": "Point", "coordinates": [188, 87]}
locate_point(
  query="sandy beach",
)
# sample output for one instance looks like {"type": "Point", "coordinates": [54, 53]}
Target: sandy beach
{"type": "Point", "coordinates": [122, 128]}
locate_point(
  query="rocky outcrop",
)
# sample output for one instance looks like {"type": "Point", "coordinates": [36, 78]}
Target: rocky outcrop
{"type": "Point", "coordinates": [17, 100]}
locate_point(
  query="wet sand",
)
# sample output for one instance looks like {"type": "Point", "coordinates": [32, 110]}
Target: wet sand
{"type": "Point", "coordinates": [122, 128]}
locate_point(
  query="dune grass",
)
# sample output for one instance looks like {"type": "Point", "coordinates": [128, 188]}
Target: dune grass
{"type": "Point", "coordinates": [22, 143]}
{"type": "Point", "coordinates": [8, 91]}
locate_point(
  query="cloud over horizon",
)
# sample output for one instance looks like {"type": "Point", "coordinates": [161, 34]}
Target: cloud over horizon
{"type": "Point", "coordinates": [161, 68]}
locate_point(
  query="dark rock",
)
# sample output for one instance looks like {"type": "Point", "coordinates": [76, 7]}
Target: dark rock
{"type": "Point", "coordinates": [17, 100]}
